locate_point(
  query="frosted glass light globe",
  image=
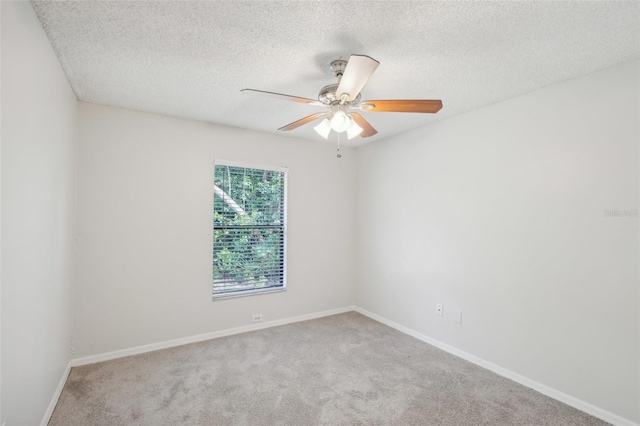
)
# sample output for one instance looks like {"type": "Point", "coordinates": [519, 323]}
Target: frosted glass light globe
{"type": "Point", "coordinates": [323, 128]}
{"type": "Point", "coordinates": [354, 130]}
{"type": "Point", "coordinates": [340, 122]}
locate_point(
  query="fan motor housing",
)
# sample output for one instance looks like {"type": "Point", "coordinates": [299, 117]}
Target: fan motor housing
{"type": "Point", "coordinates": [328, 96]}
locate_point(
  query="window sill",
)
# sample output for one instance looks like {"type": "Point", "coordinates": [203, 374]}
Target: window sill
{"type": "Point", "coordinates": [247, 293]}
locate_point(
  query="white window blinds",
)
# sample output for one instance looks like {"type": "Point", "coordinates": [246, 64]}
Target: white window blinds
{"type": "Point", "coordinates": [249, 229]}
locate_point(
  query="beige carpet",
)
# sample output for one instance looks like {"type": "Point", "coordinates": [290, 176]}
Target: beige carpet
{"type": "Point", "coordinates": [339, 370]}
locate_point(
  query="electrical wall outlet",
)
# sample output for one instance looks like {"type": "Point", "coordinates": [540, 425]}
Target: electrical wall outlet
{"type": "Point", "coordinates": [439, 309]}
{"type": "Point", "coordinates": [457, 317]}
{"type": "Point", "coordinates": [257, 317]}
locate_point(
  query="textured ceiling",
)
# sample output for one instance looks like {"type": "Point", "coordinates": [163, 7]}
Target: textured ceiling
{"type": "Point", "coordinates": [190, 59]}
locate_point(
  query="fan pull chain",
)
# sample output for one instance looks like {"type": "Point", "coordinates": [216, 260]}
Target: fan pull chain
{"type": "Point", "coordinates": [339, 155]}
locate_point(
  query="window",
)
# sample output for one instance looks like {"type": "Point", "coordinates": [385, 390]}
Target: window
{"type": "Point", "coordinates": [249, 229]}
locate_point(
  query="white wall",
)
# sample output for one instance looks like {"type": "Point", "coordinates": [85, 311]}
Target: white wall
{"type": "Point", "coordinates": [39, 113]}
{"type": "Point", "coordinates": [499, 213]}
{"type": "Point", "coordinates": [145, 228]}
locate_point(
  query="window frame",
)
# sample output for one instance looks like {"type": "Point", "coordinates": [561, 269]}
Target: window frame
{"type": "Point", "coordinates": [285, 190]}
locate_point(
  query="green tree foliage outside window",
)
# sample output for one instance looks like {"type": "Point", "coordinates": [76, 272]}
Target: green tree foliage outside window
{"type": "Point", "coordinates": [249, 229]}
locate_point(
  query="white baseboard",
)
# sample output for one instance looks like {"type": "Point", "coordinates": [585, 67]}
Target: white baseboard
{"type": "Point", "coordinates": [202, 337]}
{"type": "Point", "coordinates": [56, 396]}
{"type": "Point", "coordinates": [607, 416]}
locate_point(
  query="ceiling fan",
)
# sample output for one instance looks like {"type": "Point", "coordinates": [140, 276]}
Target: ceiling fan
{"type": "Point", "coordinates": [343, 97]}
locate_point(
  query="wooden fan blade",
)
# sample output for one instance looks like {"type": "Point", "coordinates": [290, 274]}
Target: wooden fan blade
{"type": "Point", "coordinates": [367, 129]}
{"type": "Point", "coordinates": [303, 121]}
{"type": "Point", "coordinates": [406, 105]}
{"type": "Point", "coordinates": [284, 97]}
{"type": "Point", "coordinates": [358, 71]}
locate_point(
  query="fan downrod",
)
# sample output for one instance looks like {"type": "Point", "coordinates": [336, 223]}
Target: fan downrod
{"type": "Point", "coordinates": [338, 67]}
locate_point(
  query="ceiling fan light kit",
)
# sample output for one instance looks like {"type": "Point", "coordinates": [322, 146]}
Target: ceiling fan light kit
{"type": "Point", "coordinates": [340, 122]}
{"type": "Point", "coordinates": [345, 95]}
